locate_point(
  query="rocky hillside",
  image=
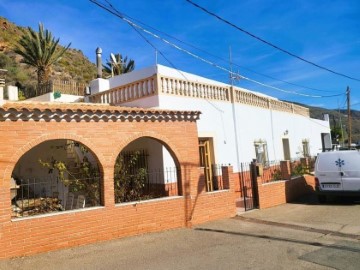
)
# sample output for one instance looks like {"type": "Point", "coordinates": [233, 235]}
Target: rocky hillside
{"type": "Point", "coordinates": [338, 118]}
{"type": "Point", "coordinates": [74, 65]}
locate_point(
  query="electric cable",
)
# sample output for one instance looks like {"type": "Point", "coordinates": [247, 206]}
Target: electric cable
{"type": "Point", "coordinates": [222, 59]}
{"type": "Point", "coordinates": [121, 16]}
{"type": "Point", "coordinates": [269, 43]}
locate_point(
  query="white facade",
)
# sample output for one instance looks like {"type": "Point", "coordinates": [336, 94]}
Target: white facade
{"type": "Point", "coordinates": [234, 119]}
{"type": "Point", "coordinates": [49, 97]}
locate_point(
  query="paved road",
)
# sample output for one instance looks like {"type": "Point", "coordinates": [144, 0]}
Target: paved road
{"type": "Point", "coordinates": [303, 235]}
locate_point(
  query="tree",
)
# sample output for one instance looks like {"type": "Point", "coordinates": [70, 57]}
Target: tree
{"type": "Point", "coordinates": [118, 65]}
{"type": "Point", "coordinates": [40, 50]}
{"type": "Point", "coordinates": [336, 134]}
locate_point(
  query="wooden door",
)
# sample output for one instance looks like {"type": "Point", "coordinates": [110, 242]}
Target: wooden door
{"type": "Point", "coordinates": [205, 161]}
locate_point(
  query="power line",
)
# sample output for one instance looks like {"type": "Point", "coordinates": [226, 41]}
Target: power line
{"type": "Point", "coordinates": [269, 43]}
{"type": "Point", "coordinates": [222, 59]}
{"type": "Point", "coordinates": [132, 24]}
{"type": "Point", "coordinates": [118, 13]}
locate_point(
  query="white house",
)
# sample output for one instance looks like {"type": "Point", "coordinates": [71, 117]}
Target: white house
{"type": "Point", "coordinates": [236, 125]}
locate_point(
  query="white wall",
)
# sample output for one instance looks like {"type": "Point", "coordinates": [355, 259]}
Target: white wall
{"type": "Point", "coordinates": [99, 85]}
{"type": "Point", "coordinates": [253, 123]}
{"type": "Point", "coordinates": [146, 102]}
{"type": "Point", "coordinates": [131, 76]}
{"type": "Point", "coordinates": [49, 97]}
{"type": "Point", "coordinates": [29, 169]}
{"type": "Point", "coordinates": [233, 127]}
{"type": "Point", "coordinates": [159, 158]}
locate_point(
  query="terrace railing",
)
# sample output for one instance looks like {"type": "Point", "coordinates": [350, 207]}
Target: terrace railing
{"type": "Point", "coordinates": [124, 93]}
{"type": "Point", "coordinates": [62, 86]}
{"type": "Point", "coordinates": [160, 84]}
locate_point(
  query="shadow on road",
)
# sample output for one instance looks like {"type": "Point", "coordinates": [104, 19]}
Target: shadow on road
{"type": "Point", "coordinates": [283, 239]}
{"type": "Point", "coordinates": [311, 199]}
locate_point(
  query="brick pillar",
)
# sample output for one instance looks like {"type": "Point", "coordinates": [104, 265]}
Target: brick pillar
{"type": "Point", "coordinates": [108, 196]}
{"type": "Point", "coordinates": [229, 179]}
{"type": "Point", "coordinates": [228, 182]}
{"type": "Point", "coordinates": [285, 167]}
{"type": "Point", "coordinates": [193, 183]}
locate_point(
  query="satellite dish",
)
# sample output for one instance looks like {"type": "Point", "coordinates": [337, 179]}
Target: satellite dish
{"type": "Point", "coordinates": [113, 58]}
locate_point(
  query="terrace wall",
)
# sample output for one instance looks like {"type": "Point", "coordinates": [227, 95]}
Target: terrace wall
{"type": "Point", "coordinates": [105, 137]}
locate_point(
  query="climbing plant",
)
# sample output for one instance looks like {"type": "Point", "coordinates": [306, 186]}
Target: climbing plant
{"type": "Point", "coordinates": [129, 179]}
{"type": "Point", "coordinates": [82, 178]}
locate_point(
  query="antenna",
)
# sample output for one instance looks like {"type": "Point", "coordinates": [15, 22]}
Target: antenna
{"type": "Point", "coordinates": [232, 76]}
{"type": "Point", "coordinates": [231, 72]}
{"type": "Point", "coordinates": [113, 58]}
{"type": "Point", "coordinates": [113, 62]}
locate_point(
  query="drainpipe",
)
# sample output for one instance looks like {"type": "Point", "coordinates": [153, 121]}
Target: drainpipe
{"type": "Point", "coordinates": [98, 62]}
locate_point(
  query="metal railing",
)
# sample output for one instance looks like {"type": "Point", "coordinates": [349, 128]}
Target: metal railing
{"type": "Point", "coordinates": [219, 183]}
{"type": "Point", "coordinates": [271, 172]}
{"type": "Point", "coordinates": [145, 184]}
{"type": "Point", "coordinates": [35, 197]}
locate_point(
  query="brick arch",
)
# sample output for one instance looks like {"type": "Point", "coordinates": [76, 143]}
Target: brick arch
{"type": "Point", "coordinates": [48, 137]}
{"type": "Point", "coordinates": [152, 135]}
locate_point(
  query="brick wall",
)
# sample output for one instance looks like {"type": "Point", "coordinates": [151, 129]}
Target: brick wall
{"type": "Point", "coordinates": [25, 236]}
{"type": "Point", "coordinates": [280, 192]}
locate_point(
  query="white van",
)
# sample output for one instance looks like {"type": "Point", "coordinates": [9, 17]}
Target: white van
{"type": "Point", "coordinates": [337, 174]}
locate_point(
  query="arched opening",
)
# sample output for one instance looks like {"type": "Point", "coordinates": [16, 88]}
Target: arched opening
{"type": "Point", "coordinates": [56, 175]}
{"type": "Point", "coordinates": [145, 169]}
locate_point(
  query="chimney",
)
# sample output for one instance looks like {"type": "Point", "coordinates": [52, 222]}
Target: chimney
{"type": "Point", "coordinates": [98, 62]}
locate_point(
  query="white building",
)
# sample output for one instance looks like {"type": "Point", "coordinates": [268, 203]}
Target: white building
{"type": "Point", "coordinates": [236, 125]}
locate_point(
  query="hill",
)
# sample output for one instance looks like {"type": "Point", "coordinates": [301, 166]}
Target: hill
{"type": "Point", "coordinates": [74, 65]}
{"type": "Point", "coordinates": [338, 118]}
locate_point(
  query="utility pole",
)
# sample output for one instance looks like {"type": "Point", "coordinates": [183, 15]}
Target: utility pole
{"type": "Point", "coordinates": [349, 115]}
{"type": "Point", "coordinates": [232, 99]}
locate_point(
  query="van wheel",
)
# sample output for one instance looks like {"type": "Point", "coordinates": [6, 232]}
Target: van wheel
{"type": "Point", "coordinates": [322, 198]}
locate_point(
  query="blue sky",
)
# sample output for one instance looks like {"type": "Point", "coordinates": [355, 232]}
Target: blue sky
{"type": "Point", "coordinates": [321, 31]}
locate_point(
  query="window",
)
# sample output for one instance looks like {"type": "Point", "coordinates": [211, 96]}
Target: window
{"type": "Point", "coordinates": [261, 152]}
{"type": "Point", "coordinates": [306, 148]}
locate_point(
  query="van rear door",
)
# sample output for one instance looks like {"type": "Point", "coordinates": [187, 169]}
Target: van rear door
{"type": "Point", "coordinates": [350, 175]}
{"type": "Point", "coordinates": [329, 171]}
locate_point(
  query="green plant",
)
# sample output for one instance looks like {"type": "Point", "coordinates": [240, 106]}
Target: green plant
{"type": "Point", "coordinates": [40, 50]}
{"type": "Point", "coordinates": [57, 94]}
{"type": "Point", "coordinates": [118, 65]}
{"type": "Point", "coordinates": [129, 179]}
{"type": "Point", "coordinates": [298, 170]}
{"type": "Point", "coordinates": [83, 179]}
{"type": "Point", "coordinates": [276, 175]}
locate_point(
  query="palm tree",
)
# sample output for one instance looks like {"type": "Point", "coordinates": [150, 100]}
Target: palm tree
{"type": "Point", "coordinates": [40, 50]}
{"type": "Point", "coordinates": [118, 65]}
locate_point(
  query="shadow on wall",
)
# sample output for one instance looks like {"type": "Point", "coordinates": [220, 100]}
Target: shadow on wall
{"type": "Point", "coordinates": [298, 187]}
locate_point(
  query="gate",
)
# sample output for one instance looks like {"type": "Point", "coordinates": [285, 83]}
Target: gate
{"type": "Point", "coordinates": [248, 186]}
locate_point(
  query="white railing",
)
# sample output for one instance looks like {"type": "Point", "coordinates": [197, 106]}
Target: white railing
{"type": "Point", "coordinates": [128, 92]}
{"type": "Point", "coordinates": [179, 87]}
{"type": "Point", "coordinates": [185, 88]}
{"type": "Point", "coordinates": [249, 98]}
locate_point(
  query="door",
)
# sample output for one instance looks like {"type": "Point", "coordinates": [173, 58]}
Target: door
{"type": "Point", "coordinates": [329, 170]}
{"type": "Point", "coordinates": [350, 170]}
{"type": "Point", "coordinates": [206, 161]}
{"type": "Point", "coordinates": [286, 148]}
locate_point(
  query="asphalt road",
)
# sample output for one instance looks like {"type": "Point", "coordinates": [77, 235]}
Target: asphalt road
{"type": "Point", "coordinates": [303, 235]}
